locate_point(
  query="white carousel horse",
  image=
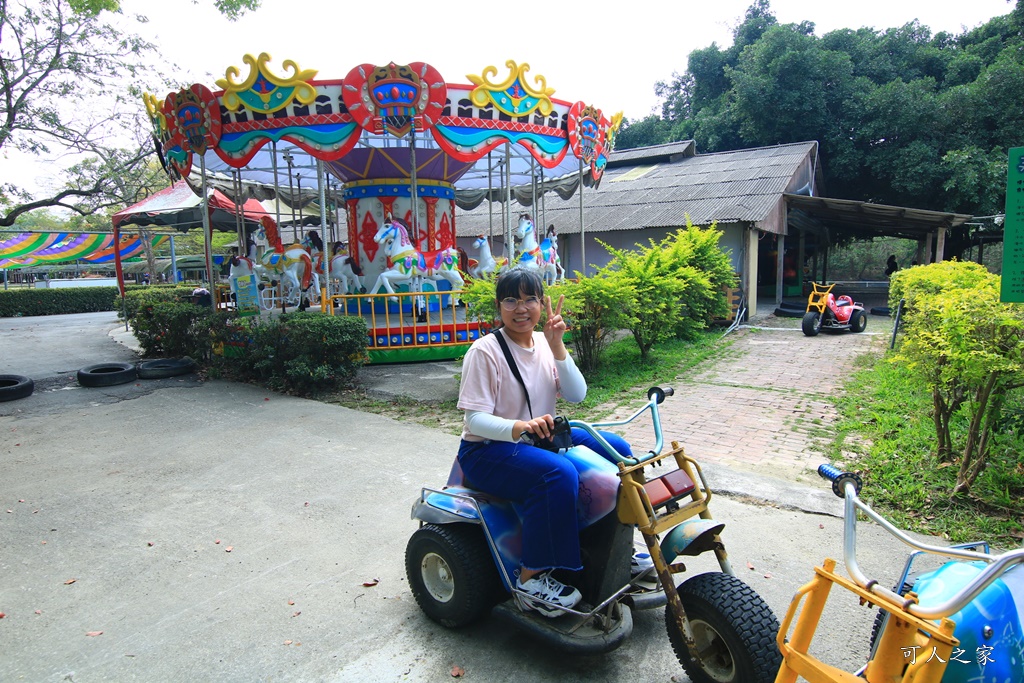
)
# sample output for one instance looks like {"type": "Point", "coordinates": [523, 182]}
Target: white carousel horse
{"type": "Point", "coordinates": [242, 266]}
{"type": "Point", "coordinates": [345, 268]}
{"type": "Point", "coordinates": [529, 254]}
{"type": "Point", "coordinates": [293, 265]}
{"type": "Point", "coordinates": [551, 266]}
{"type": "Point", "coordinates": [409, 265]}
{"type": "Point", "coordinates": [486, 264]}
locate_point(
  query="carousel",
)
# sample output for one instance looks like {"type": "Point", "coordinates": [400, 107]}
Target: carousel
{"type": "Point", "coordinates": [386, 155]}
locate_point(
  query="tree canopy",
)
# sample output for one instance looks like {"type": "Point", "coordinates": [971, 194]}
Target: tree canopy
{"type": "Point", "coordinates": [903, 117]}
{"type": "Point", "coordinates": [70, 86]}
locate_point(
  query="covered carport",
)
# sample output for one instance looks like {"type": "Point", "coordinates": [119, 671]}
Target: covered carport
{"type": "Point", "coordinates": [820, 223]}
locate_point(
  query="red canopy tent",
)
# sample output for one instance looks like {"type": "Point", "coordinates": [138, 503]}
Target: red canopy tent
{"type": "Point", "coordinates": [179, 207]}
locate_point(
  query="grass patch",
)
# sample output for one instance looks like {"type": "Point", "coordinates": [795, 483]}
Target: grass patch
{"type": "Point", "coordinates": [621, 379]}
{"type": "Point", "coordinates": [885, 432]}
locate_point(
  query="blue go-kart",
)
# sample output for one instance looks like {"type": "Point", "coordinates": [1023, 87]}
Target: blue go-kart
{"type": "Point", "coordinates": [960, 622]}
{"type": "Point", "coordinates": [462, 561]}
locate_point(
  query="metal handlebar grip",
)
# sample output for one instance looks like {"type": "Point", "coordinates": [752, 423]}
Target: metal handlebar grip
{"type": "Point", "coordinates": [839, 479]}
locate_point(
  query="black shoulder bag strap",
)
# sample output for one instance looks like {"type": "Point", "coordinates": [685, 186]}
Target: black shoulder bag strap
{"type": "Point", "coordinates": [512, 364]}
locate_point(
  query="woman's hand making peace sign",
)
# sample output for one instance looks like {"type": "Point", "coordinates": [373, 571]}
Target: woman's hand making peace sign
{"type": "Point", "coordinates": [554, 327]}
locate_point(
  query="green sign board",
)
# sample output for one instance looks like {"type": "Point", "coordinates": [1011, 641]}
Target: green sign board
{"type": "Point", "coordinates": [1013, 230]}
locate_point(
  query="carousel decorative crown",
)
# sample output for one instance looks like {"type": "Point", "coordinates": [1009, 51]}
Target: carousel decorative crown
{"type": "Point", "coordinates": [396, 90]}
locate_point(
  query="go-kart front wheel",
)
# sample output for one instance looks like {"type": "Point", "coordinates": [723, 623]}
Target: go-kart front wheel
{"type": "Point", "coordinates": [811, 324]}
{"type": "Point", "coordinates": [858, 321]}
{"type": "Point", "coordinates": [733, 628]}
{"type": "Point", "coordinates": [451, 573]}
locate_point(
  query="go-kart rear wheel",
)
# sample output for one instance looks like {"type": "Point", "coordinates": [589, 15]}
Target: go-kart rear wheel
{"type": "Point", "coordinates": [733, 628]}
{"type": "Point", "coordinates": [811, 324]}
{"type": "Point", "coordinates": [451, 573]}
{"type": "Point", "coordinates": [858, 321]}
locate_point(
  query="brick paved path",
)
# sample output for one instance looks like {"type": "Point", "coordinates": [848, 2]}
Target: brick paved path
{"type": "Point", "coordinates": [753, 408]}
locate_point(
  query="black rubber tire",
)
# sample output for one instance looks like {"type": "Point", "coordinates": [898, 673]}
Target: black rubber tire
{"type": "Point", "coordinates": [451, 573]}
{"type": "Point", "coordinates": [881, 310]}
{"type": "Point", "coordinates": [788, 312]}
{"type": "Point", "coordinates": [107, 374]}
{"type": "Point", "coordinates": [858, 321]}
{"type": "Point", "coordinates": [811, 324]}
{"type": "Point", "coordinates": [161, 368]}
{"type": "Point", "coordinates": [15, 386]}
{"type": "Point", "coordinates": [734, 628]}
{"type": "Point", "coordinates": [876, 627]}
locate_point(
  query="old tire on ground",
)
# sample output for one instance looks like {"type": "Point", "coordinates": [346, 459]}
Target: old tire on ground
{"type": "Point", "coordinates": [881, 310]}
{"type": "Point", "coordinates": [15, 386]}
{"type": "Point", "coordinates": [161, 368]}
{"type": "Point", "coordinates": [451, 573]}
{"type": "Point", "coordinates": [811, 324]}
{"type": "Point", "coordinates": [858, 321]}
{"type": "Point", "coordinates": [107, 374]}
{"type": "Point", "coordinates": [734, 630]}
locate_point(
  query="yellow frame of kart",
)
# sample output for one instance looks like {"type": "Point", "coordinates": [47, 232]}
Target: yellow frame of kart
{"type": "Point", "coordinates": [889, 663]}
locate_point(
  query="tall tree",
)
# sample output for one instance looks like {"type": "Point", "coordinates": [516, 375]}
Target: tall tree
{"type": "Point", "coordinates": [70, 83]}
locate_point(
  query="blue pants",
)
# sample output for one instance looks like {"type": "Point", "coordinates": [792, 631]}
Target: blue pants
{"type": "Point", "coordinates": [546, 486]}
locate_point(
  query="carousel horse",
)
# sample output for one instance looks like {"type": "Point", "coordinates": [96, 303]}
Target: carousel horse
{"type": "Point", "coordinates": [529, 254]}
{"type": "Point", "coordinates": [345, 268]}
{"type": "Point", "coordinates": [410, 266]}
{"type": "Point", "coordinates": [293, 265]}
{"type": "Point", "coordinates": [486, 264]}
{"type": "Point", "coordinates": [242, 266]}
{"type": "Point", "coordinates": [551, 266]}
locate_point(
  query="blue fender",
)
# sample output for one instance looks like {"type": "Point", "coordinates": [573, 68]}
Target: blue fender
{"type": "Point", "coordinates": [990, 628]}
{"type": "Point", "coordinates": [692, 537]}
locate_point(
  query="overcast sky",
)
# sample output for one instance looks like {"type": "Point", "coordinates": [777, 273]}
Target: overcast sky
{"type": "Point", "coordinates": [610, 59]}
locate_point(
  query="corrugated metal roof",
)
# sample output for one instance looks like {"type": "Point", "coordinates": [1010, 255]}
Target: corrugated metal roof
{"type": "Point", "coordinates": [726, 187]}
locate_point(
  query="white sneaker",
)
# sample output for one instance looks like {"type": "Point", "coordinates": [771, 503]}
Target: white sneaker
{"type": "Point", "coordinates": [546, 587]}
{"type": "Point", "coordinates": [640, 564]}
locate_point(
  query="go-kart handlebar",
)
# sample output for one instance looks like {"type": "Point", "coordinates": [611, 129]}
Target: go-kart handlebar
{"type": "Point", "coordinates": [847, 485]}
{"type": "Point", "coordinates": [655, 396]}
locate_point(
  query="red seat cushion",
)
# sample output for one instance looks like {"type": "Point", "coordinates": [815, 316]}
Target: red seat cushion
{"type": "Point", "coordinates": [668, 487]}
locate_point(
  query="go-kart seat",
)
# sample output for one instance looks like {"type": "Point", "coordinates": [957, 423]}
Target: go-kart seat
{"type": "Point", "coordinates": [669, 488]}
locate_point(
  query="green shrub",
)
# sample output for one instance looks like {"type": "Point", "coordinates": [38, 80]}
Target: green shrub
{"type": "Point", "coordinates": [173, 328]}
{"type": "Point", "coordinates": [967, 345]}
{"type": "Point", "coordinates": [697, 249]}
{"type": "Point", "coordinates": [478, 295]}
{"type": "Point", "coordinates": [593, 312]}
{"type": "Point", "coordinates": [301, 353]}
{"type": "Point", "coordinates": [140, 297]}
{"type": "Point", "coordinates": [57, 301]}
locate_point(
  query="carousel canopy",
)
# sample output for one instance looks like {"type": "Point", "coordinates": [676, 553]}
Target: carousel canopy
{"type": "Point", "coordinates": [396, 123]}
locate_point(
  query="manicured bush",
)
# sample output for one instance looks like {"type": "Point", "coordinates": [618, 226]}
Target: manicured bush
{"type": "Point", "coordinates": [173, 328]}
{"type": "Point", "coordinates": [57, 301]}
{"type": "Point", "coordinates": [301, 353]}
{"type": "Point", "coordinates": [137, 298]}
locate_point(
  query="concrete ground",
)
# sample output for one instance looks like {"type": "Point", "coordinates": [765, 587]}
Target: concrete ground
{"type": "Point", "coordinates": [178, 530]}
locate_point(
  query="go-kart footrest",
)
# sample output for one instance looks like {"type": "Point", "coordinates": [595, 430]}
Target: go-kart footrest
{"type": "Point", "coordinates": [669, 488]}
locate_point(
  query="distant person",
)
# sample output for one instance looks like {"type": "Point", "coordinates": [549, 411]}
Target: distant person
{"type": "Point", "coordinates": [891, 266]}
{"type": "Point", "coordinates": [201, 297]}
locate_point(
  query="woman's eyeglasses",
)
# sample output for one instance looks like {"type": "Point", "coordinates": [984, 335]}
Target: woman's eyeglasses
{"type": "Point", "coordinates": [511, 303]}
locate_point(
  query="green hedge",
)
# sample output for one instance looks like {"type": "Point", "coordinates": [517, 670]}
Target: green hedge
{"type": "Point", "coordinates": [26, 302]}
{"type": "Point", "coordinates": [137, 298]}
{"type": "Point", "coordinates": [300, 353]}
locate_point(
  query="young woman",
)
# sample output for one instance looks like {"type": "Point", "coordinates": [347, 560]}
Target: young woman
{"type": "Point", "coordinates": [497, 414]}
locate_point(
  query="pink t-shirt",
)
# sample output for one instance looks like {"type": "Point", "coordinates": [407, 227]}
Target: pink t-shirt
{"type": "Point", "coordinates": [489, 386]}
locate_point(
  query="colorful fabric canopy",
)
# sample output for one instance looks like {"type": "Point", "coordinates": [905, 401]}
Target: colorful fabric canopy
{"type": "Point", "coordinates": [31, 249]}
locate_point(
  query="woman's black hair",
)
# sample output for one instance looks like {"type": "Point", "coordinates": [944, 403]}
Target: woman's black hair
{"type": "Point", "coordinates": [513, 282]}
